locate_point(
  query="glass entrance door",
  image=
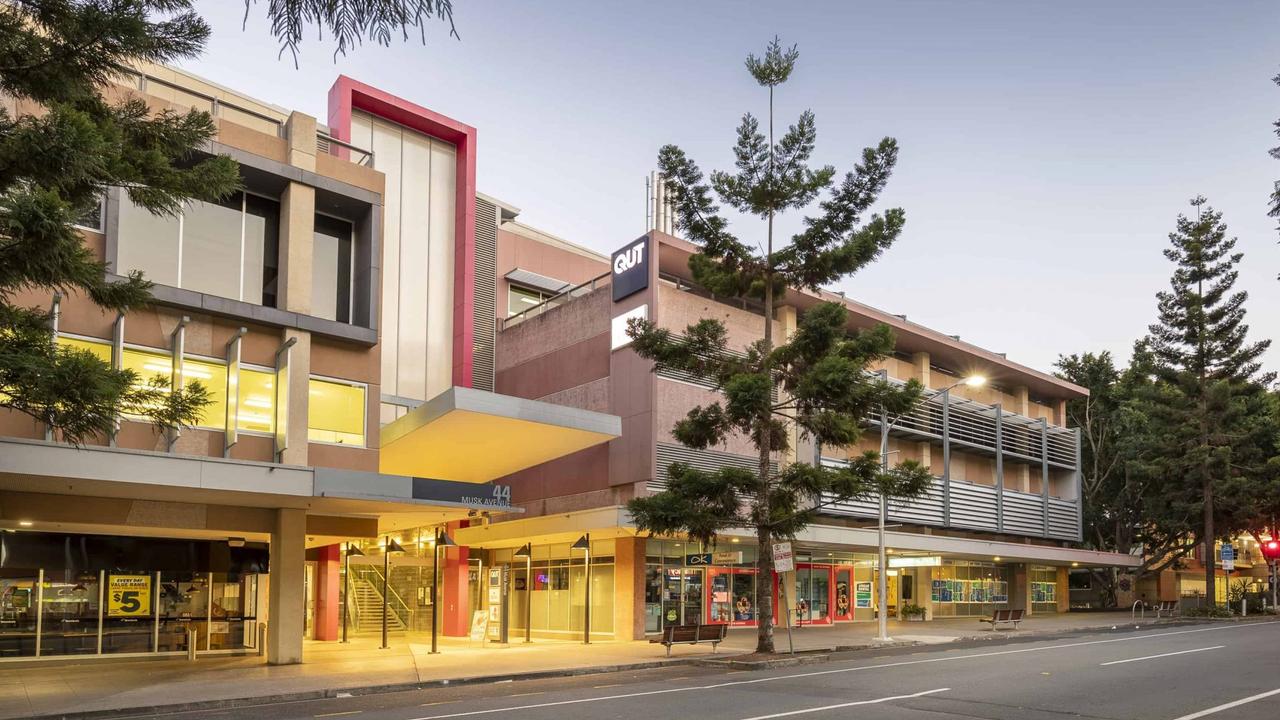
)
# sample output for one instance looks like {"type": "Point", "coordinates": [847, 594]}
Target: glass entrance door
{"type": "Point", "coordinates": [844, 595]}
{"type": "Point", "coordinates": [813, 594]}
{"type": "Point", "coordinates": [682, 596]}
{"type": "Point", "coordinates": [693, 593]}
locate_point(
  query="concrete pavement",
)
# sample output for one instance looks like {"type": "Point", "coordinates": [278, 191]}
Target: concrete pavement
{"type": "Point", "coordinates": [85, 686]}
{"type": "Point", "coordinates": [1220, 670]}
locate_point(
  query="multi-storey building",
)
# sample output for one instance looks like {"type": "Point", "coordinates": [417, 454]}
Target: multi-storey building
{"type": "Point", "coordinates": [405, 376]}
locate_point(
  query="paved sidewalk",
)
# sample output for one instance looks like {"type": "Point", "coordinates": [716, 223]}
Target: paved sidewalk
{"type": "Point", "coordinates": [47, 688]}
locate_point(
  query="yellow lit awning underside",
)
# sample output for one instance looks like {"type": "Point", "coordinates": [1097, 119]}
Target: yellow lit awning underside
{"type": "Point", "coordinates": [475, 436]}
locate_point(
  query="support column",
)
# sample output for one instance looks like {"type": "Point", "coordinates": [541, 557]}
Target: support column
{"type": "Point", "coordinates": [1020, 588]}
{"type": "Point", "coordinates": [286, 603]}
{"type": "Point", "coordinates": [999, 468]}
{"type": "Point", "coordinates": [455, 604]}
{"type": "Point", "coordinates": [628, 589]}
{"type": "Point", "coordinates": [1064, 590]}
{"type": "Point", "coordinates": [328, 582]}
{"type": "Point", "coordinates": [946, 458]}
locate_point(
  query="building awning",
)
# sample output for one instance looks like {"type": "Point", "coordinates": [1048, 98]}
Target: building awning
{"type": "Point", "coordinates": [530, 279]}
{"type": "Point", "coordinates": [476, 436]}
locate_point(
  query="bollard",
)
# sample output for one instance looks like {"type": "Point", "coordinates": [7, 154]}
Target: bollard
{"type": "Point", "coordinates": [262, 639]}
{"type": "Point", "coordinates": [1244, 607]}
{"type": "Point", "coordinates": [193, 638]}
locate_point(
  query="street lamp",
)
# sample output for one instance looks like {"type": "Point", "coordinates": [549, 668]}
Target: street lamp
{"type": "Point", "coordinates": [882, 580]}
{"type": "Point", "coordinates": [526, 552]}
{"type": "Point", "coordinates": [346, 589]}
{"type": "Point", "coordinates": [442, 540]}
{"type": "Point", "coordinates": [584, 544]}
{"type": "Point", "coordinates": [391, 546]}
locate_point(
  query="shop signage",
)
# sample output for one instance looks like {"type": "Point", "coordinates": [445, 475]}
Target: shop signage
{"type": "Point", "coordinates": [862, 594]}
{"type": "Point", "coordinates": [630, 269]}
{"type": "Point", "coordinates": [483, 496]}
{"type": "Point", "coordinates": [128, 595]}
{"type": "Point", "coordinates": [698, 559]}
{"type": "Point", "coordinates": [907, 562]}
{"type": "Point", "coordinates": [783, 560]}
{"type": "Point", "coordinates": [727, 557]}
{"type": "Point", "coordinates": [479, 624]}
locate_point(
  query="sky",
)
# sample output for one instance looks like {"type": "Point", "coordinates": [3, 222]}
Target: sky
{"type": "Point", "coordinates": [1046, 148]}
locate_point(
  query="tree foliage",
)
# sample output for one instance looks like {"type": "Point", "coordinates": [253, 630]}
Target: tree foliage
{"type": "Point", "coordinates": [815, 381]}
{"type": "Point", "coordinates": [350, 22]}
{"type": "Point", "coordinates": [58, 156]}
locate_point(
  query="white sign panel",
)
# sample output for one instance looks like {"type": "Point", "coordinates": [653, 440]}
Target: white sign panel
{"type": "Point", "coordinates": [618, 330]}
{"type": "Point", "coordinates": [783, 560]}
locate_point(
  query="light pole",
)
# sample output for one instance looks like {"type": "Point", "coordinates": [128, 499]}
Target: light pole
{"type": "Point", "coordinates": [526, 552]}
{"type": "Point", "coordinates": [882, 569]}
{"type": "Point", "coordinates": [346, 584]}
{"type": "Point", "coordinates": [584, 544]}
{"type": "Point", "coordinates": [442, 539]}
{"type": "Point", "coordinates": [391, 546]}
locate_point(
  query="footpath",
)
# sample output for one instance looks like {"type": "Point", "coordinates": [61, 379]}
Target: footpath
{"type": "Point", "coordinates": [80, 688]}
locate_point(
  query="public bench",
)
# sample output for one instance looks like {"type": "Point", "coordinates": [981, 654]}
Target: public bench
{"type": "Point", "coordinates": [691, 635]}
{"type": "Point", "coordinates": [1000, 617]}
{"type": "Point", "coordinates": [1166, 608]}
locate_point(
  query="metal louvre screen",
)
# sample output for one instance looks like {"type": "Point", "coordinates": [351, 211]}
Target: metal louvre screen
{"type": "Point", "coordinates": [705, 460]}
{"type": "Point", "coordinates": [484, 313]}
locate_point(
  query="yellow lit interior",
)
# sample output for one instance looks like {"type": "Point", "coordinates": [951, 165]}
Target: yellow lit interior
{"type": "Point", "coordinates": [335, 413]}
{"type": "Point", "coordinates": [257, 397]}
{"type": "Point", "coordinates": [101, 349]}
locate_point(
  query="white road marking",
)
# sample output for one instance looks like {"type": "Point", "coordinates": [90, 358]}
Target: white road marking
{"type": "Point", "coordinates": [336, 714]}
{"type": "Point", "coordinates": [848, 704]}
{"type": "Point", "coordinates": [902, 663]}
{"type": "Point", "coordinates": [1161, 655]}
{"type": "Point", "coordinates": [1228, 706]}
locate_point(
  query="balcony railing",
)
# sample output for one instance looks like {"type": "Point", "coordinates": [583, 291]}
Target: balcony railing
{"type": "Point", "coordinates": [554, 301]}
{"type": "Point", "coordinates": [330, 145]}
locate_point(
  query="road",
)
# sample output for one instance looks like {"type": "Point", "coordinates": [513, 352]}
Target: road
{"type": "Point", "coordinates": [1218, 671]}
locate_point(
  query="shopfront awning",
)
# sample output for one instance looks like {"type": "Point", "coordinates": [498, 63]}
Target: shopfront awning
{"type": "Point", "coordinates": [476, 436]}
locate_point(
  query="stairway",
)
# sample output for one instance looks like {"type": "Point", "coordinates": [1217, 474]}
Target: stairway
{"type": "Point", "coordinates": [368, 605]}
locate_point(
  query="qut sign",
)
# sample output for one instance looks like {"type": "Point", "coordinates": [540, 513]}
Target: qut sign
{"type": "Point", "coordinates": [630, 269]}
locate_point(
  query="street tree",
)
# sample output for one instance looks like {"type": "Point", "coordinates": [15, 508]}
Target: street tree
{"type": "Point", "coordinates": [1209, 407]}
{"type": "Point", "coordinates": [815, 382]}
{"type": "Point", "coordinates": [350, 22]}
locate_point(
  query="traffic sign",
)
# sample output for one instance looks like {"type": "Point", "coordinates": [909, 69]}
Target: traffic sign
{"type": "Point", "coordinates": [783, 560]}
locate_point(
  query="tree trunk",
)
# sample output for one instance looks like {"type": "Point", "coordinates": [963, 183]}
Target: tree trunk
{"type": "Point", "coordinates": [1210, 557]}
{"type": "Point", "coordinates": [764, 514]}
{"type": "Point", "coordinates": [764, 591]}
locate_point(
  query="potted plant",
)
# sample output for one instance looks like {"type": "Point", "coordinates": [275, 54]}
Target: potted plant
{"type": "Point", "coordinates": [912, 613]}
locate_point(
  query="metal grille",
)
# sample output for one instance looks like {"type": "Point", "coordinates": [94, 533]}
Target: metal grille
{"type": "Point", "coordinates": [1023, 513]}
{"type": "Point", "coordinates": [1064, 520]}
{"type": "Point", "coordinates": [705, 460]}
{"type": "Point", "coordinates": [484, 311]}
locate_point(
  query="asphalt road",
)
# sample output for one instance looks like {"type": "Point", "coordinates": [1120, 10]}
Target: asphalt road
{"type": "Point", "coordinates": [1217, 671]}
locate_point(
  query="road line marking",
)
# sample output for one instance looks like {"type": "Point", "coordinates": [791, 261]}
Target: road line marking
{"type": "Point", "coordinates": [1228, 706]}
{"type": "Point", "coordinates": [336, 714]}
{"type": "Point", "coordinates": [539, 692]}
{"type": "Point", "coordinates": [597, 687]}
{"type": "Point", "coordinates": [848, 704]}
{"type": "Point", "coordinates": [438, 702]}
{"type": "Point", "coordinates": [1161, 655]}
{"type": "Point", "coordinates": [753, 681]}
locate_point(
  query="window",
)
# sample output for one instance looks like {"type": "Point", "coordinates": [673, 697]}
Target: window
{"type": "Point", "coordinates": [256, 391]}
{"type": "Point", "coordinates": [331, 277]}
{"type": "Point", "coordinates": [520, 299]}
{"type": "Point", "coordinates": [100, 349]}
{"type": "Point", "coordinates": [92, 219]}
{"type": "Point", "coordinates": [336, 412]}
{"type": "Point", "coordinates": [227, 248]}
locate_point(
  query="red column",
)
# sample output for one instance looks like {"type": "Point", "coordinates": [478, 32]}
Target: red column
{"type": "Point", "coordinates": [454, 600]}
{"type": "Point", "coordinates": [328, 578]}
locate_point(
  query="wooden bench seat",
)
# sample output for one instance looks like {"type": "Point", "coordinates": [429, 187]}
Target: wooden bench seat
{"type": "Point", "coordinates": [691, 635]}
{"type": "Point", "coordinates": [1000, 617]}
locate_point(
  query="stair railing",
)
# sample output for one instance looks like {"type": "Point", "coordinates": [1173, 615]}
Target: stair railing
{"type": "Point", "coordinates": [372, 575]}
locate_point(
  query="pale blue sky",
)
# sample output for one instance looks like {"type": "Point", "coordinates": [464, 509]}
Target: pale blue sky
{"type": "Point", "coordinates": [1046, 147]}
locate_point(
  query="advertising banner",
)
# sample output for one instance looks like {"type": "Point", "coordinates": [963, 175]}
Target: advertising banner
{"type": "Point", "coordinates": [128, 595]}
{"type": "Point", "coordinates": [862, 595]}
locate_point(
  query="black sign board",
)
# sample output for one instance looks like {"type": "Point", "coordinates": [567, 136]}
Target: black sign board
{"type": "Point", "coordinates": [630, 269]}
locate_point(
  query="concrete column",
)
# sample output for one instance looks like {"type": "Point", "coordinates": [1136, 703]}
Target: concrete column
{"type": "Point", "coordinates": [628, 589]}
{"type": "Point", "coordinates": [300, 132]}
{"type": "Point", "coordinates": [297, 240]}
{"type": "Point", "coordinates": [295, 452]}
{"type": "Point", "coordinates": [920, 366]}
{"type": "Point", "coordinates": [328, 582]}
{"type": "Point", "coordinates": [286, 602]}
{"type": "Point", "coordinates": [1064, 590]}
{"type": "Point", "coordinates": [1020, 588]}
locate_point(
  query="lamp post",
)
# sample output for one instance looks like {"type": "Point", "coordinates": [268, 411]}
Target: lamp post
{"type": "Point", "coordinates": [526, 552]}
{"type": "Point", "coordinates": [882, 574]}
{"type": "Point", "coordinates": [346, 584]}
{"type": "Point", "coordinates": [442, 539]}
{"type": "Point", "coordinates": [584, 544]}
{"type": "Point", "coordinates": [391, 546]}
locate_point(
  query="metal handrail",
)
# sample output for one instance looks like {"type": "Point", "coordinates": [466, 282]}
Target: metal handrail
{"type": "Point", "coordinates": [554, 300]}
{"type": "Point", "coordinates": [353, 607]}
{"type": "Point", "coordinates": [213, 101]}
{"type": "Point", "coordinates": [403, 612]}
{"type": "Point", "coordinates": [1133, 613]}
{"type": "Point", "coordinates": [366, 156]}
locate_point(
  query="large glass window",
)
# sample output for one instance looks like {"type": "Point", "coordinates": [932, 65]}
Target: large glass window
{"type": "Point", "coordinates": [256, 409]}
{"type": "Point", "coordinates": [520, 299]}
{"type": "Point", "coordinates": [70, 615]}
{"type": "Point", "coordinates": [18, 608]}
{"type": "Point", "coordinates": [225, 248]}
{"type": "Point", "coordinates": [336, 412]}
{"type": "Point", "coordinates": [331, 269]}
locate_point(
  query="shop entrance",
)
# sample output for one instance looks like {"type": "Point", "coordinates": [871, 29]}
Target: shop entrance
{"type": "Point", "coordinates": [813, 594]}
{"type": "Point", "coordinates": [682, 596]}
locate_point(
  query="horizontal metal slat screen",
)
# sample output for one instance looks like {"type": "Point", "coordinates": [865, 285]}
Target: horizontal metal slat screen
{"type": "Point", "coordinates": [973, 506]}
{"type": "Point", "coordinates": [705, 460]}
{"type": "Point", "coordinates": [484, 310]}
{"type": "Point", "coordinates": [1023, 513]}
{"type": "Point", "coordinates": [1063, 519]}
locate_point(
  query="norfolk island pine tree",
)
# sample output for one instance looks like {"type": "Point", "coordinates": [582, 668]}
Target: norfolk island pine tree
{"type": "Point", "coordinates": [817, 380]}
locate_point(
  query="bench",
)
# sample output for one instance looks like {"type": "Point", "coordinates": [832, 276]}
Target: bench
{"type": "Point", "coordinates": [1167, 608]}
{"type": "Point", "coordinates": [691, 635]}
{"type": "Point", "coordinates": [1003, 616]}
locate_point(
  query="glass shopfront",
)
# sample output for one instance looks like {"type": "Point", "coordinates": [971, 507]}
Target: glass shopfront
{"type": "Point", "coordinates": [1044, 588]}
{"type": "Point", "coordinates": [82, 595]}
{"type": "Point", "coordinates": [962, 588]}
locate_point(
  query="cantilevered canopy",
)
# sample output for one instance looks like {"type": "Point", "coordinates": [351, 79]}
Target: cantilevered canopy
{"type": "Point", "coordinates": [476, 436]}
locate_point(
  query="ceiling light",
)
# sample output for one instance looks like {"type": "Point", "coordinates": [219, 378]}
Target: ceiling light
{"type": "Point", "coordinates": [25, 523]}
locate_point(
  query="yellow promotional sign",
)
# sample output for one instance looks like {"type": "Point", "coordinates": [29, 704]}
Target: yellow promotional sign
{"type": "Point", "coordinates": [128, 595]}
